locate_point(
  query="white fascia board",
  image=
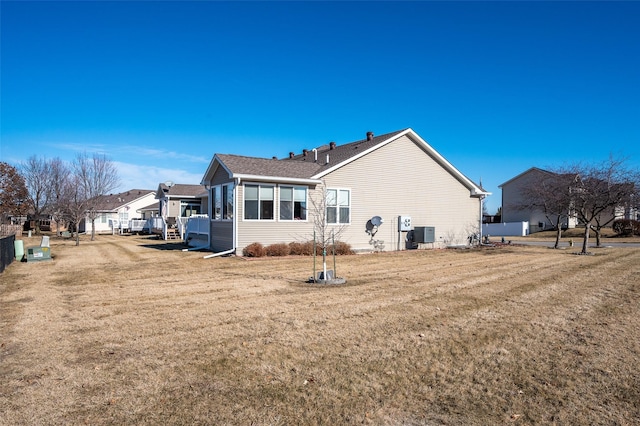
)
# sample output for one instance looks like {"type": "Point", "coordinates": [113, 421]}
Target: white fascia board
{"type": "Point", "coordinates": [475, 189]}
{"type": "Point", "coordinates": [276, 179]}
{"type": "Point", "coordinates": [139, 198]}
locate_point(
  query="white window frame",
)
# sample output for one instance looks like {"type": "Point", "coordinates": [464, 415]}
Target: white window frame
{"type": "Point", "coordinates": [227, 211]}
{"type": "Point", "coordinates": [216, 202]}
{"type": "Point", "coordinates": [260, 186]}
{"type": "Point", "coordinates": [337, 205]}
{"type": "Point", "coordinates": [293, 203]}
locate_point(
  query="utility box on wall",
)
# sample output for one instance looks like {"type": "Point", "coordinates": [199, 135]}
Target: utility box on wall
{"type": "Point", "coordinates": [404, 223]}
{"type": "Point", "coordinates": [424, 234]}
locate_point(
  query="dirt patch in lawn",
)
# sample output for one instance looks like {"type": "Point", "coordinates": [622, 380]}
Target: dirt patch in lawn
{"type": "Point", "coordinates": [113, 332]}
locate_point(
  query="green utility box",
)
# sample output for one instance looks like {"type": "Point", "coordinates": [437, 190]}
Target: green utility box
{"type": "Point", "coordinates": [37, 253]}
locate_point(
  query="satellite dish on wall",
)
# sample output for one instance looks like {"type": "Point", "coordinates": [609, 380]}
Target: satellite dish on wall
{"type": "Point", "coordinates": [372, 225]}
{"type": "Point", "coordinates": [168, 184]}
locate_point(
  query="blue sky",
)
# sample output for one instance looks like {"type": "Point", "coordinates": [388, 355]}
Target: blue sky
{"type": "Point", "coordinates": [495, 87]}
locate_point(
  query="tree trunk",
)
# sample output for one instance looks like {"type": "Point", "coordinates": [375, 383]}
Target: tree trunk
{"type": "Point", "coordinates": [77, 238]}
{"type": "Point", "coordinates": [558, 235]}
{"type": "Point", "coordinates": [93, 229]}
{"type": "Point", "coordinates": [585, 240]}
{"type": "Point", "coordinates": [598, 232]}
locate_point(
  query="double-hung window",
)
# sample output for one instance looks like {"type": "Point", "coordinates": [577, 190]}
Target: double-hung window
{"type": "Point", "coordinates": [338, 206]}
{"type": "Point", "coordinates": [259, 202]}
{"type": "Point", "coordinates": [293, 203]}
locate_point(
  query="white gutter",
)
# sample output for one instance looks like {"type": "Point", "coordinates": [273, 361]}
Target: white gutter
{"type": "Point", "coordinates": [262, 178]}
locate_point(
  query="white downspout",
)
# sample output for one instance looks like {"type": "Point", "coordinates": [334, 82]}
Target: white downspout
{"type": "Point", "coordinates": [480, 233]}
{"type": "Point", "coordinates": [235, 214]}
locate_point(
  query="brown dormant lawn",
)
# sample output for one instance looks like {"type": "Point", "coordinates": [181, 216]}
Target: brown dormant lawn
{"type": "Point", "coordinates": [131, 330]}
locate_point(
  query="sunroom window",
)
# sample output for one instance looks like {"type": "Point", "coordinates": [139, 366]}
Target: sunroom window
{"type": "Point", "coordinates": [258, 202]}
{"type": "Point", "coordinates": [216, 202]}
{"type": "Point", "coordinates": [293, 203]}
{"type": "Point", "coordinates": [227, 201]}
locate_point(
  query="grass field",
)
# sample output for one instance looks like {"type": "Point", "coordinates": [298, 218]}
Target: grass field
{"type": "Point", "coordinates": [130, 330]}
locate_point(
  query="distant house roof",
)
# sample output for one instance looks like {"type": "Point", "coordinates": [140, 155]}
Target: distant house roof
{"type": "Point", "coordinates": [529, 170]}
{"type": "Point", "coordinates": [112, 202]}
{"type": "Point", "coordinates": [151, 207]}
{"type": "Point", "coordinates": [179, 190]}
{"type": "Point", "coordinates": [311, 165]}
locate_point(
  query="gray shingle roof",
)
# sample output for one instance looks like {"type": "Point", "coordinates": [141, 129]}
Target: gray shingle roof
{"type": "Point", "coordinates": [253, 166]}
{"type": "Point", "coordinates": [300, 166]}
{"type": "Point", "coordinates": [113, 201]}
{"type": "Point", "coordinates": [182, 190]}
{"type": "Point", "coordinates": [340, 153]}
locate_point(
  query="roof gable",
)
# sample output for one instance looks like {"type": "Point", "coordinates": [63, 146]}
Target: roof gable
{"type": "Point", "coordinates": [526, 172]}
{"type": "Point", "coordinates": [312, 165]}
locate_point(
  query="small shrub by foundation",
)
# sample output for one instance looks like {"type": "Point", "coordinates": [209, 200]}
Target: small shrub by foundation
{"type": "Point", "coordinates": [301, 249]}
{"type": "Point", "coordinates": [341, 248]}
{"type": "Point", "coordinates": [254, 250]}
{"type": "Point", "coordinates": [278, 249]}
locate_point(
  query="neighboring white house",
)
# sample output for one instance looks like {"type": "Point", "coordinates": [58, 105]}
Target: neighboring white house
{"type": "Point", "coordinates": [114, 211]}
{"type": "Point", "coordinates": [421, 198]}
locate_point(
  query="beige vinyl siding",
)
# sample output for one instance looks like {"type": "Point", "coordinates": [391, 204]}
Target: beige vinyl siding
{"type": "Point", "coordinates": [174, 208]}
{"type": "Point", "coordinates": [401, 179]}
{"type": "Point", "coordinates": [272, 231]}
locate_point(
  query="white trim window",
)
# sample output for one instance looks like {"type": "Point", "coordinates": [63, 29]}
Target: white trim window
{"type": "Point", "coordinates": [227, 202]}
{"type": "Point", "coordinates": [259, 202]}
{"type": "Point", "coordinates": [216, 202]}
{"type": "Point", "coordinates": [188, 208]}
{"type": "Point", "coordinates": [338, 206]}
{"type": "Point", "coordinates": [293, 203]}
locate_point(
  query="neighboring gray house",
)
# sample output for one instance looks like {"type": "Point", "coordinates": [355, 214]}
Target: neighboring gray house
{"type": "Point", "coordinates": [179, 200]}
{"type": "Point", "coordinates": [394, 176]}
{"type": "Point", "coordinates": [512, 200]}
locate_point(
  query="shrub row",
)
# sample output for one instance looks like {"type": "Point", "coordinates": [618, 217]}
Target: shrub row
{"type": "Point", "coordinates": [295, 248]}
{"type": "Point", "coordinates": [626, 227]}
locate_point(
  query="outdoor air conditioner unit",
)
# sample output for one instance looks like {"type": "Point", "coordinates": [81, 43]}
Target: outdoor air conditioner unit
{"type": "Point", "coordinates": [424, 234]}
